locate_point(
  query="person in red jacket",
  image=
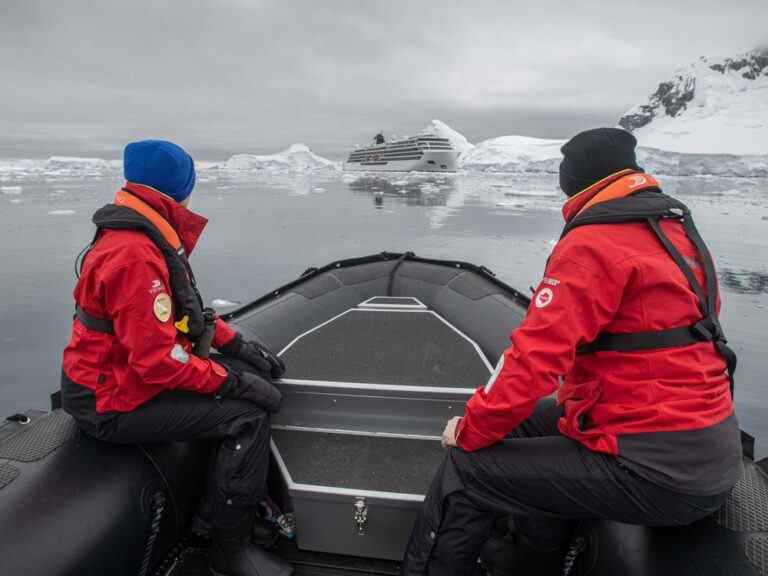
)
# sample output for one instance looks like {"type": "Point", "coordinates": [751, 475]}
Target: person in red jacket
{"type": "Point", "coordinates": [136, 369]}
{"type": "Point", "coordinates": [614, 400]}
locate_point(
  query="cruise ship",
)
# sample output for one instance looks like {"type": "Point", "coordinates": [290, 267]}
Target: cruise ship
{"type": "Point", "coordinates": [421, 153]}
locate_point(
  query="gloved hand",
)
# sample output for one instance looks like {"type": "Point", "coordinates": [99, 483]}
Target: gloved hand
{"type": "Point", "coordinates": [251, 387]}
{"type": "Point", "coordinates": [263, 360]}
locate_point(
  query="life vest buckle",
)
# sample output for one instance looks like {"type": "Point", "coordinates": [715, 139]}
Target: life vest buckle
{"type": "Point", "coordinates": [708, 331]}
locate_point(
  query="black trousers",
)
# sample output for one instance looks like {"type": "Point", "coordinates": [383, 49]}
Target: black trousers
{"type": "Point", "coordinates": [237, 473]}
{"type": "Point", "coordinates": [547, 482]}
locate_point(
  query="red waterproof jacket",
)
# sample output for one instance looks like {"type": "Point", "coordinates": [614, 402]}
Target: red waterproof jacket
{"type": "Point", "coordinates": [125, 279]}
{"type": "Point", "coordinates": [616, 278]}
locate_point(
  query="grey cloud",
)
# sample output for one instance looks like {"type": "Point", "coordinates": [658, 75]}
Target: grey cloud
{"type": "Point", "coordinates": [82, 76]}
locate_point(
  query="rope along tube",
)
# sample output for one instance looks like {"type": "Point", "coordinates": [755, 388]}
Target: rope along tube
{"type": "Point", "coordinates": [158, 506]}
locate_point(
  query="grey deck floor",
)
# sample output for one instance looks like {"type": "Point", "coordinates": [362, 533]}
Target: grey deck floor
{"type": "Point", "coordinates": [387, 347]}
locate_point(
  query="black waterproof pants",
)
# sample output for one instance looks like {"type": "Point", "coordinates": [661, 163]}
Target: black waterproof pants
{"type": "Point", "coordinates": [547, 482]}
{"type": "Point", "coordinates": [237, 472]}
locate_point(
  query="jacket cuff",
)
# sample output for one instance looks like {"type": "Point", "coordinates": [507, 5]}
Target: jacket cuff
{"type": "Point", "coordinates": [222, 380]}
{"type": "Point", "coordinates": [469, 438]}
{"type": "Point", "coordinates": [223, 335]}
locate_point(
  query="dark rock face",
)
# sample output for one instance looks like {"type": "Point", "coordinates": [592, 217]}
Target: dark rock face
{"type": "Point", "coordinates": [637, 120]}
{"type": "Point", "coordinates": [751, 66]}
{"type": "Point", "coordinates": [673, 97]}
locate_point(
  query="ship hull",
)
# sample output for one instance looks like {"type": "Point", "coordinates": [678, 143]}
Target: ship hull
{"type": "Point", "coordinates": [430, 161]}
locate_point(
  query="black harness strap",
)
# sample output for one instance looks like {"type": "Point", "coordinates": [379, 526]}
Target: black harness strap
{"type": "Point", "coordinates": [186, 296]}
{"type": "Point", "coordinates": [651, 340]}
{"type": "Point", "coordinates": [103, 325]}
{"type": "Point", "coordinates": [708, 329]}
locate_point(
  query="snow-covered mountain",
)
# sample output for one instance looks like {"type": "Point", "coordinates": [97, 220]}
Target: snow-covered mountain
{"type": "Point", "coordinates": [708, 107]}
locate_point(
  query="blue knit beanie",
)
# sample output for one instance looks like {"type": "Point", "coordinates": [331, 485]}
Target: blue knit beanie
{"type": "Point", "coordinates": [162, 165]}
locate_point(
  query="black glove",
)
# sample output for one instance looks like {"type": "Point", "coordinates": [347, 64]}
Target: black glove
{"type": "Point", "coordinates": [261, 358]}
{"type": "Point", "coordinates": [251, 387]}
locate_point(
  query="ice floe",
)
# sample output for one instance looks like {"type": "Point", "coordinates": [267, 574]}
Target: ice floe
{"type": "Point", "coordinates": [222, 303]}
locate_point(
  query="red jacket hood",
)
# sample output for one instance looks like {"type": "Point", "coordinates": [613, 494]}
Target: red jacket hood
{"type": "Point", "coordinates": [188, 225]}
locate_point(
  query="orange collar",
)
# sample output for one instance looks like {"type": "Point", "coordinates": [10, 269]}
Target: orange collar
{"type": "Point", "coordinates": [123, 198]}
{"type": "Point", "coordinates": [618, 185]}
{"type": "Point", "coordinates": [179, 225]}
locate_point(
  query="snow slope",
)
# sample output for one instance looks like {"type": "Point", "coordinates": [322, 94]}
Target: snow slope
{"type": "Point", "coordinates": [297, 158]}
{"type": "Point", "coordinates": [709, 107]}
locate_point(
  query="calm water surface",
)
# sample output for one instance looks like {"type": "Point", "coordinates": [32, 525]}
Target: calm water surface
{"type": "Point", "coordinates": [265, 231]}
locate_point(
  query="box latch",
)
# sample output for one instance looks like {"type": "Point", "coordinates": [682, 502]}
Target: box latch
{"type": "Point", "coordinates": [361, 515]}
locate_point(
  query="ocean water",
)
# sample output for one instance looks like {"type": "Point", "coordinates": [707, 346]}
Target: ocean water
{"type": "Point", "coordinates": [265, 231]}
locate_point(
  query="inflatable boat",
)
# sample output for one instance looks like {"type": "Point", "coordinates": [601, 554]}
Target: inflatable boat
{"type": "Point", "coordinates": [381, 351]}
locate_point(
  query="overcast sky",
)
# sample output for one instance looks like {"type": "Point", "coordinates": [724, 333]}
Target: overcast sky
{"type": "Point", "coordinates": [225, 76]}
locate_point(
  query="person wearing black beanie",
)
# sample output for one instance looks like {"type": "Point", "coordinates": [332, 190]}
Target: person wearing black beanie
{"type": "Point", "coordinates": [595, 154]}
{"type": "Point", "coordinates": [617, 384]}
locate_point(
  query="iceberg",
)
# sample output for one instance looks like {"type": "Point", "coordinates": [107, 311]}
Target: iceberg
{"type": "Point", "coordinates": [74, 166]}
{"type": "Point", "coordinates": [442, 130]}
{"type": "Point", "coordinates": [297, 158]}
{"type": "Point", "coordinates": [537, 155]}
{"type": "Point", "coordinates": [513, 154]}
{"type": "Point", "coordinates": [669, 163]}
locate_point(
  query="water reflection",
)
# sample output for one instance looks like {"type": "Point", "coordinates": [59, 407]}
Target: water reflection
{"type": "Point", "coordinates": [745, 281]}
{"type": "Point", "coordinates": [410, 190]}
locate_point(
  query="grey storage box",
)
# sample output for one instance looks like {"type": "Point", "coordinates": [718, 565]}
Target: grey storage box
{"type": "Point", "coordinates": [366, 396]}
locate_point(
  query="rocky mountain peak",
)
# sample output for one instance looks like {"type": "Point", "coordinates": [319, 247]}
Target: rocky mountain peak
{"type": "Point", "coordinates": [672, 97]}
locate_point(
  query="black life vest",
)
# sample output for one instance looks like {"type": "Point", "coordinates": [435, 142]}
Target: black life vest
{"type": "Point", "coordinates": [651, 206]}
{"type": "Point", "coordinates": [187, 302]}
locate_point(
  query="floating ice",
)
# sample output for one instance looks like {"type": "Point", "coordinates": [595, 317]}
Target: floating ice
{"type": "Point", "coordinates": [60, 212]}
{"type": "Point", "coordinates": [222, 303]}
{"type": "Point", "coordinates": [11, 190]}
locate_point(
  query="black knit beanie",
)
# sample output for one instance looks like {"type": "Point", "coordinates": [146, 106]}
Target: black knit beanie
{"type": "Point", "coordinates": [595, 154]}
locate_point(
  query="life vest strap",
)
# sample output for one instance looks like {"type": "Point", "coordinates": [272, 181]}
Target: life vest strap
{"type": "Point", "coordinates": [707, 329]}
{"type": "Point", "coordinates": [103, 325]}
{"type": "Point", "coordinates": [702, 331]}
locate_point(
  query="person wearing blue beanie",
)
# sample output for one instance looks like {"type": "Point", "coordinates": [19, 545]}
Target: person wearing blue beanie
{"type": "Point", "coordinates": [139, 356]}
{"type": "Point", "coordinates": [162, 165]}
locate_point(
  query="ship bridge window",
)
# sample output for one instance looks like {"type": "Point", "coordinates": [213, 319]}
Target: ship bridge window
{"type": "Point", "coordinates": [430, 161]}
